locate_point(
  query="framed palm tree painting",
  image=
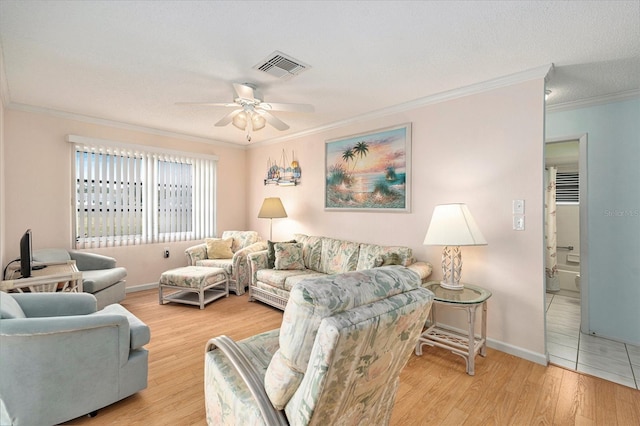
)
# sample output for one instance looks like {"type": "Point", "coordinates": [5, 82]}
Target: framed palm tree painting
{"type": "Point", "coordinates": [369, 171]}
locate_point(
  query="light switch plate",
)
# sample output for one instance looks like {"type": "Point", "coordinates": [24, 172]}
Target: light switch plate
{"type": "Point", "coordinates": [518, 222]}
{"type": "Point", "coordinates": [518, 206]}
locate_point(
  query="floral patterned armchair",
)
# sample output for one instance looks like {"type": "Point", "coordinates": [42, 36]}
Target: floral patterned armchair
{"type": "Point", "coordinates": [237, 267]}
{"type": "Point", "coordinates": [335, 360]}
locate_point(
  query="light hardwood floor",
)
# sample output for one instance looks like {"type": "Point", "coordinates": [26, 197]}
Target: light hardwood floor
{"type": "Point", "coordinates": [434, 389]}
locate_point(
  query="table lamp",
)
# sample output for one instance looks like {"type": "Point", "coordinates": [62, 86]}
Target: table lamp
{"type": "Point", "coordinates": [453, 226]}
{"type": "Point", "coordinates": [272, 208]}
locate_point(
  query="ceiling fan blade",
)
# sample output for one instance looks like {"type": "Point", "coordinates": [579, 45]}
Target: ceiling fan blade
{"type": "Point", "coordinates": [275, 106]}
{"type": "Point", "coordinates": [244, 92]}
{"type": "Point", "coordinates": [220, 104]}
{"type": "Point", "coordinates": [228, 118]}
{"type": "Point", "coordinates": [273, 120]}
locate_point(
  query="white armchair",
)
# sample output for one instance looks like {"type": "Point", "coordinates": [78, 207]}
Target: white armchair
{"type": "Point", "coordinates": [335, 360]}
{"type": "Point", "coordinates": [236, 267]}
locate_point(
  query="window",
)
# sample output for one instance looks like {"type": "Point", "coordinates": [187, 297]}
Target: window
{"type": "Point", "coordinates": [567, 188]}
{"type": "Point", "coordinates": [126, 195]}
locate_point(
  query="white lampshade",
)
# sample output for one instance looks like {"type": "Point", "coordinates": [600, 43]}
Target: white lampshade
{"type": "Point", "coordinates": [453, 225]}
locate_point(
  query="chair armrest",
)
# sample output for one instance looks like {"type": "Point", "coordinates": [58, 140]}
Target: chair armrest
{"type": "Point", "coordinates": [423, 269]}
{"type": "Point", "coordinates": [250, 376]}
{"type": "Point", "coordinates": [64, 324]}
{"type": "Point", "coordinates": [140, 334]}
{"type": "Point", "coordinates": [86, 261]}
{"type": "Point", "coordinates": [257, 260]}
{"type": "Point", "coordinates": [55, 304]}
{"type": "Point", "coordinates": [196, 253]}
{"type": "Point", "coordinates": [241, 266]}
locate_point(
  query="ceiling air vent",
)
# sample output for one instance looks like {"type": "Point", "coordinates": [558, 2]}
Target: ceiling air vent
{"type": "Point", "coordinates": [281, 66]}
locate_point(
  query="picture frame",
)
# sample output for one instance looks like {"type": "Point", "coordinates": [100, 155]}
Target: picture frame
{"type": "Point", "coordinates": [369, 171]}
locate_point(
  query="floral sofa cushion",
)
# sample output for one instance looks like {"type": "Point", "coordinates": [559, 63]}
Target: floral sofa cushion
{"type": "Point", "coordinates": [304, 314]}
{"type": "Point", "coordinates": [373, 255]}
{"type": "Point", "coordinates": [338, 256]}
{"type": "Point", "coordinates": [311, 250]}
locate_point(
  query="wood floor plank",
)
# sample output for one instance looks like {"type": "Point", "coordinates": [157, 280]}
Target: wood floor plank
{"type": "Point", "coordinates": [434, 388]}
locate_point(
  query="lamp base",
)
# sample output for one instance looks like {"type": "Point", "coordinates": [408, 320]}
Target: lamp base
{"type": "Point", "coordinates": [451, 286]}
{"type": "Point", "coordinates": [451, 268]}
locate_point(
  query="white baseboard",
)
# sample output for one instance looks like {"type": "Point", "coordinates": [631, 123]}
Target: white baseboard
{"type": "Point", "coordinates": [141, 287]}
{"type": "Point", "coordinates": [538, 358]}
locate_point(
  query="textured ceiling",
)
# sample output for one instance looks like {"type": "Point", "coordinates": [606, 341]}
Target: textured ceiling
{"type": "Point", "coordinates": [131, 61]}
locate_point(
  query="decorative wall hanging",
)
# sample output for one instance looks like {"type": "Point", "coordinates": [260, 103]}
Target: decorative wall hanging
{"type": "Point", "coordinates": [369, 171]}
{"type": "Point", "coordinates": [285, 173]}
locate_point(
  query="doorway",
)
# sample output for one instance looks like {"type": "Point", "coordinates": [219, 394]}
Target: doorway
{"type": "Point", "coordinates": [569, 156]}
{"type": "Point", "coordinates": [569, 341]}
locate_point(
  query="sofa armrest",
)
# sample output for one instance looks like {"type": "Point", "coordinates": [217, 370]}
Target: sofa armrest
{"type": "Point", "coordinates": [423, 269]}
{"type": "Point", "coordinates": [196, 253]}
{"type": "Point", "coordinates": [86, 261]}
{"type": "Point", "coordinates": [257, 260]}
{"type": "Point", "coordinates": [55, 304]}
{"type": "Point", "coordinates": [241, 266]}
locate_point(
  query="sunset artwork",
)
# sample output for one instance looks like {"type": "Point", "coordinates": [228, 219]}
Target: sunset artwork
{"type": "Point", "coordinates": [369, 171]}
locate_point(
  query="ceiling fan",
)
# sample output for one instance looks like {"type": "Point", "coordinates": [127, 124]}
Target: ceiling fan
{"type": "Point", "coordinates": [252, 113]}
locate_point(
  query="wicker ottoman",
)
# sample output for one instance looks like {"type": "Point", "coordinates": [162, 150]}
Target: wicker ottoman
{"type": "Point", "coordinates": [195, 285]}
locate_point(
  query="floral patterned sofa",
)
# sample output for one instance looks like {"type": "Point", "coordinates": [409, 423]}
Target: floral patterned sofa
{"type": "Point", "coordinates": [274, 274]}
{"type": "Point", "coordinates": [236, 265]}
{"type": "Point", "coordinates": [335, 360]}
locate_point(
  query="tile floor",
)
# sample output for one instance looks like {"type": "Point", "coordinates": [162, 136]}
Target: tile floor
{"type": "Point", "coordinates": [572, 349]}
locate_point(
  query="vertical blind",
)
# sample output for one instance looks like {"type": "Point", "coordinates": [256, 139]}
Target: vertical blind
{"type": "Point", "coordinates": [127, 195]}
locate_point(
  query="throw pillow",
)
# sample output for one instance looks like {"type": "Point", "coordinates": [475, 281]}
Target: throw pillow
{"type": "Point", "coordinates": [217, 248]}
{"type": "Point", "coordinates": [391, 259]}
{"type": "Point", "coordinates": [288, 256]}
{"type": "Point", "coordinates": [271, 253]}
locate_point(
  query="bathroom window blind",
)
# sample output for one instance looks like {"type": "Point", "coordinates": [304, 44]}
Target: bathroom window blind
{"type": "Point", "coordinates": [567, 188]}
{"type": "Point", "coordinates": [127, 195]}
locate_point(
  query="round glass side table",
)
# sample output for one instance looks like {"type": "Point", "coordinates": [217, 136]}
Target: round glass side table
{"type": "Point", "coordinates": [467, 346]}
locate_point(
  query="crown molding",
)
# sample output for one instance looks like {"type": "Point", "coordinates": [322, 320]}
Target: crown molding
{"type": "Point", "coordinates": [485, 86]}
{"type": "Point", "coordinates": [508, 80]}
{"type": "Point", "coordinates": [596, 100]}
{"type": "Point", "coordinates": [120, 125]}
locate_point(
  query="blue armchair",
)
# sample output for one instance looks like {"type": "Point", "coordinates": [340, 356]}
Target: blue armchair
{"type": "Point", "coordinates": [100, 276]}
{"type": "Point", "coordinates": [62, 359]}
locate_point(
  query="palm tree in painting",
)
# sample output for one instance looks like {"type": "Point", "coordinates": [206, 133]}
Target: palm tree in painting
{"type": "Point", "coordinates": [348, 155]}
{"type": "Point", "coordinates": [361, 150]}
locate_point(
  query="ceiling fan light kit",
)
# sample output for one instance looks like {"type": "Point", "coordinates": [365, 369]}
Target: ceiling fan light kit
{"type": "Point", "coordinates": [252, 113]}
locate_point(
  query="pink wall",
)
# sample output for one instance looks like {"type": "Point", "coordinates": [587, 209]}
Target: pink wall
{"type": "Point", "coordinates": [37, 190]}
{"type": "Point", "coordinates": [485, 150]}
